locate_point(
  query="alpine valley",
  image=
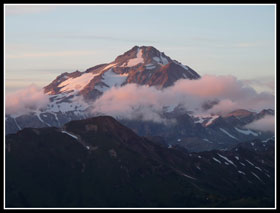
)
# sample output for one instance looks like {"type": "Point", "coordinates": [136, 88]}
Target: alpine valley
{"type": "Point", "coordinates": [67, 154]}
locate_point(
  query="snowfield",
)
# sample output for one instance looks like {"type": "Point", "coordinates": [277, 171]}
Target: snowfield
{"type": "Point", "coordinates": [77, 83]}
{"type": "Point", "coordinates": [111, 79]}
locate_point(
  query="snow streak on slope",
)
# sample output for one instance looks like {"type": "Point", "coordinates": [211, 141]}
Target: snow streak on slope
{"type": "Point", "coordinates": [109, 66]}
{"type": "Point", "coordinates": [215, 159]}
{"type": "Point", "coordinates": [202, 118]}
{"type": "Point", "coordinates": [205, 139]}
{"type": "Point", "coordinates": [211, 120]}
{"type": "Point", "coordinates": [225, 158]}
{"type": "Point", "coordinates": [246, 132]}
{"type": "Point", "coordinates": [73, 136]}
{"type": "Point", "coordinates": [224, 131]}
{"type": "Point", "coordinates": [38, 116]}
{"type": "Point", "coordinates": [17, 124]}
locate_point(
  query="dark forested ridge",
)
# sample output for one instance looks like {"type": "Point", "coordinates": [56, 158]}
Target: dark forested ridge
{"type": "Point", "coordinates": [98, 162]}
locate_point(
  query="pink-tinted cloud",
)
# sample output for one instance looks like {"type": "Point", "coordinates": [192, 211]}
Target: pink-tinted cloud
{"type": "Point", "coordinates": [224, 106]}
{"type": "Point", "coordinates": [134, 101]}
{"type": "Point", "coordinates": [25, 100]}
{"type": "Point", "coordinates": [266, 123]}
{"type": "Point", "coordinates": [208, 86]}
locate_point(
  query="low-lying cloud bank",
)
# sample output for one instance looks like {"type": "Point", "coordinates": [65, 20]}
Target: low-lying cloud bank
{"type": "Point", "coordinates": [209, 94]}
{"type": "Point", "coordinates": [266, 83]}
{"type": "Point", "coordinates": [28, 99]}
{"type": "Point", "coordinates": [264, 124]}
{"type": "Point", "coordinates": [226, 94]}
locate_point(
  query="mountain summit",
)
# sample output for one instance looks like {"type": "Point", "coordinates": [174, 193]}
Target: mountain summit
{"type": "Point", "coordinates": [71, 93]}
{"type": "Point", "coordinates": [143, 65]}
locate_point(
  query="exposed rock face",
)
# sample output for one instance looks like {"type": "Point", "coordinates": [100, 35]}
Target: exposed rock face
{"type": "Point", "coordinates": [141, 65]}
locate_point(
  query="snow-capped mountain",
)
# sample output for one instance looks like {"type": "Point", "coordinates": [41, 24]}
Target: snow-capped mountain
{"type": "Point", "coordinates": [143, 65]}
{"type": "Point", "coordinates": [70, 93]}
{"type": "Point", "coordinates": [71, 96]}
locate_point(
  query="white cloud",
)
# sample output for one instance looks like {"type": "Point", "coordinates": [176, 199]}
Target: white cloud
{"type": "Point", "coordinates": [144, 102]}
{"type": "Point", "coordinates": [25, 100]}
{"type": "Point", "coordinates": [266, 123]}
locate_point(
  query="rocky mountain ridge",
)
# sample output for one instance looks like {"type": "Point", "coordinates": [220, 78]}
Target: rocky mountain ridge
{"type": "Point", "coordinates": [98, 162]}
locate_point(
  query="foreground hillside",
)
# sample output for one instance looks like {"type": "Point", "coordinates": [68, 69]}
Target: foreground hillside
{"type": "Point", "coordinates": [98, 162]}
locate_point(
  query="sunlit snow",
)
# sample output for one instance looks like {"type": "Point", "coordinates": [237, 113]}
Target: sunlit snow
{"type": "Point", "coordinates": [108, 66]}
{"type": "Point", "coordinates": [77, 83]}
{"type": "Point", "coordinates": [111, 79]}
{"type": "Point", "coordinates": [214, 117]}
{"type": "Point", "coordinates": [134, 61]}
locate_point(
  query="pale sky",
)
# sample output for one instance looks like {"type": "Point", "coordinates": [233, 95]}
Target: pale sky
{"type": "Point", "coordinates": [43, 41]}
